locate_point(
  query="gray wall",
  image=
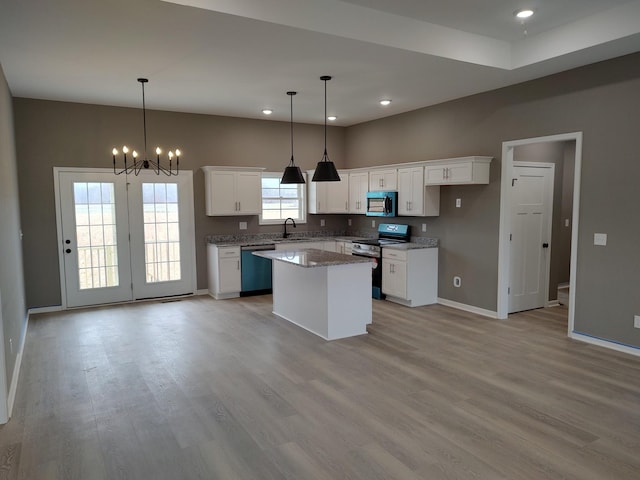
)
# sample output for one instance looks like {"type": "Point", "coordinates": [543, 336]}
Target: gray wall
{"type": "Point", "coordinates": [63, 134]}
{"type": "Point", "coordinates": [602, 101]}
{"type": "Point", "coordinates": [12, 298]}
{"type": "Point", "coordinates": [556, 153]}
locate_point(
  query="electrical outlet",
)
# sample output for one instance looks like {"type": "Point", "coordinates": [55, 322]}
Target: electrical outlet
{"type": "Point", "coordinates": [424, 227]}
{"type": "Point", "coordinates": [458, 202]}
{"type": "Point", "coordinates": [243, 225]}
{"type": "Point", "coordinates": [636, 321]}
{"type": "Point", "coordinates": [457, 281]}
{"type": "Point", "coordinates": [373, 224]}
{"type": "Point", "coordinates": [349, 222]}
{"type": "Point", "coordinates": [322, 222]}
{"type": "Point", "coordinates": [600, 239]}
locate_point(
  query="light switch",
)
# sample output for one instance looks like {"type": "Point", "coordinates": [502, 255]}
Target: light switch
{"type": "Point", "coordinates": [373, 224]}
{"type": "Point", "coordinates": [322, 222]}
{"type": "Point", "coordinates": [566, 222]}
{"type": "Point", "coordinates": [424, 227]}
{"type": "Point", "coordinates": [349, 221]}
{"type": "Point", "coordinates": [458, 202]}
{"type": "Point", "coordinates": [600, 239]}
{"type": "Point", "coordinates": [243, 225]}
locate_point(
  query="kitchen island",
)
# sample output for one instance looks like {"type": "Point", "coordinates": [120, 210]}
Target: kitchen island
{"type": "Point", "coordinates": [326, 293]}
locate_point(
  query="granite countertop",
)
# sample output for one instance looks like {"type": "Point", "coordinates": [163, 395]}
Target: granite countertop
{"type": "Point", "coordinates": [412, 245]}
{"type": "Point", "coordinates": [311, 257]}
{"type": "Point", "coordinates": [239, 241]}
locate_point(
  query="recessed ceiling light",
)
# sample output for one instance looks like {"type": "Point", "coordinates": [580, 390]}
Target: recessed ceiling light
{"type": "Point", "coordinates": [267, 111]}
{"type": "Point", "coordinates": [385, 102]}
{"type": "Point", "coordinates": [522, 14]}
{"type": "Point", "coordinates": [332, 118]}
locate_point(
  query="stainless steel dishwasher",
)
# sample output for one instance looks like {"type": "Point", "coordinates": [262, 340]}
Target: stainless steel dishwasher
{"type": "Point", "coordinates": [256, 271]}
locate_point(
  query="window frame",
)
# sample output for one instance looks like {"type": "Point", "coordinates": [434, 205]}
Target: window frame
{"type": "Point", "coordinates": [302, 196]}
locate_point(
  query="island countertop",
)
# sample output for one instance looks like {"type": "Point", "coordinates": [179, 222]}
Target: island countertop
{"type": "Point", "coordinates": [311, 257]}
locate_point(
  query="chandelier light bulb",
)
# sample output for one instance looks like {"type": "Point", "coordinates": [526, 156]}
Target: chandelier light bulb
{"type": "Point", "coordinates": [135, 154]}
{"type": "Point", "coordinates": [158, 151]}
{"type": "Point", "coordinates": [114, 151]}
{"type": "Point", "coordinates": [177, 152]}
{"type": "Point", "coordinates": [125, 150]}
{"type": "Point", "coordinates": [170, 154]}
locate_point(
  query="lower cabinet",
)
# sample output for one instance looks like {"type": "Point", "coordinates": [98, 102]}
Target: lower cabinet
{"type": "Point", "coordinates": [344, 247]}
{"type": "Point", "coordinates": [225, 280]}
{"type": "Point", "coordinates": [410, 277]}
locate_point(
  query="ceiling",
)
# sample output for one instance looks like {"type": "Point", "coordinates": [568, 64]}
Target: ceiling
{"type": "Point", "coordinates": [237, 57]}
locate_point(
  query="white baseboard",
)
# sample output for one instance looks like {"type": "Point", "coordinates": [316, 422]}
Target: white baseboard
{"type": "Point", "coordinates": [467, 308]}
{"type": "Point", "coordinates": [618, 347]}
{"type": "Point", "coordinates": [13, 388]}
{"type": "Point", "coordinates": [53, 308]}
{"type": "Point", "coordinates": [203, 291]}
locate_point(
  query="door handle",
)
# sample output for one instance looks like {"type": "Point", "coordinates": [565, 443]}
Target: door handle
{"type": "Point", "coordinates": [545, 245]}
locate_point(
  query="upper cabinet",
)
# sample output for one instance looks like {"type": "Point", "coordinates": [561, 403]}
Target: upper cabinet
{"type": "Point", "coordinates": [233, 190]}
{"type": "Point", "coordinates": [458, 171]}
{"type": "Point", "coordinates": [383, 180]}
{"type": "Point", "coordinates": [358, 188]}
{"type": "Point", "coordinates": [329, 197]}
{"type": "Point", "coordinates": [414, 199]}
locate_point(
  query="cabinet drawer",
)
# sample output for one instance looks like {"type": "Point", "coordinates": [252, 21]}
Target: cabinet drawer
{"type": "Point", "coordinates": [395, 254]}
{"type": "Point", "coordinates": [229, 252]}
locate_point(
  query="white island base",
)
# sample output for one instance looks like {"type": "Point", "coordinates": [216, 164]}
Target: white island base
{"type": "Point", "coordinates": [328, 294]}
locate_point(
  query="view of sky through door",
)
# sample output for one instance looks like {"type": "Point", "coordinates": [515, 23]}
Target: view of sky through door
{"type": "Point", "coordinates": [161, 232]}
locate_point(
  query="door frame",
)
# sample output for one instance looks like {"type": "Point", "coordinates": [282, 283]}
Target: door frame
{"type": "Point", "coordinates": [61, 266]}
{"type": "Point", "coordinates": [549, 214]}
{"type": "Point", "coordinates": [505, 219]}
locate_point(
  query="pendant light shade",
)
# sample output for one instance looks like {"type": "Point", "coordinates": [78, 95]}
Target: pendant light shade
{"type": "Point", "coordinates": [292, 173]}
{"type": "Point", "coordinates": [325, 170]}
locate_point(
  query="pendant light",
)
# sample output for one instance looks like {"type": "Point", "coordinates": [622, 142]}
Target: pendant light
{"type": "Point", "coordinates": [325, 170]}
{"type": "Point", "coordinates": [292, 173]}
{"type": "Point", "coordinates": [146, 163]}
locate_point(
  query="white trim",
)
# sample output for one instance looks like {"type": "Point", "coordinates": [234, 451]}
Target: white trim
{"type": "Point", "coordinates": [505, 220]}
{"type": "Point", "coordinates": [16, 368]}
{"type": "Point", "coordinates": [467, 308]}
{"type": "Point", "coordinates": [552, 303]}
{"type": "Point", "coordinates": [604, 343]}
{"type": "Point", "coordinates": [202, 291]}
{"type": "Point", "coordinates": [52, 308]}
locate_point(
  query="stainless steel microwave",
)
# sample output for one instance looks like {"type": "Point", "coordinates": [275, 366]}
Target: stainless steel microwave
{"type": "Point", "coordinates": [382, 204]}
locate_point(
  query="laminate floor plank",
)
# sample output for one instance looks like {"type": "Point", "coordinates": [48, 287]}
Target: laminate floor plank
{"type": "Point", "coordinates": [205, 389]}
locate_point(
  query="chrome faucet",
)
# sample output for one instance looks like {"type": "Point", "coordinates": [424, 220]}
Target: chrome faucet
{"type": "Point", "coordinates": [285, 234]}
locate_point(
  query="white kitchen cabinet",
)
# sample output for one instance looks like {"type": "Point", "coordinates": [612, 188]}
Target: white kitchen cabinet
{"type": "Point", "coordinates": [358, 188]}
{"type": "Point", "coordinates": [233, 190]}
{"type": "Point", "coordinates": [344, 247]}
{"type": "Point", "coordinates": [224, 271]}
{"type": "Point", "coordinates": [329, 197]}
{"type": "Point", "coordinates": [383, 180]}
{"type": "Point", "coordinates": [410, 277]}
{"type": "Point", "coordinates": [414, 199]}
{"type": "Point", "coordinates": [458, 171]}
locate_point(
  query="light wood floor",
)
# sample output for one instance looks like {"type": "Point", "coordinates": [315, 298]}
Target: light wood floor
{"type": "Point", "coordinates": [205, 389]}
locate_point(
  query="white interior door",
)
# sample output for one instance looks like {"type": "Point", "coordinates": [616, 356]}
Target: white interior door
{"type": "Point", "coordinates": [94, 238]}
{"type": "Point", "coordinates": [125, 238]}
{"type": "Point", "coordinates": [531, 210]}
{"type": "Point", "coordinates": [162, 233]}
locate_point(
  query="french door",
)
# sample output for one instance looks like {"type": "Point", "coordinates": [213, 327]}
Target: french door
{"type": "Point", "coordinates": [124, 238]}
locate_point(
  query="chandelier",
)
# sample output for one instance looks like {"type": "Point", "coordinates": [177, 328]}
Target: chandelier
{"type": "Point", "coordinates": [146, 163]}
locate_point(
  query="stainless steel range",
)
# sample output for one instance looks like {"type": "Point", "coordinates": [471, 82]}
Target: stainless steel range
{"type": "Point", "coordinates": [388, 233]}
